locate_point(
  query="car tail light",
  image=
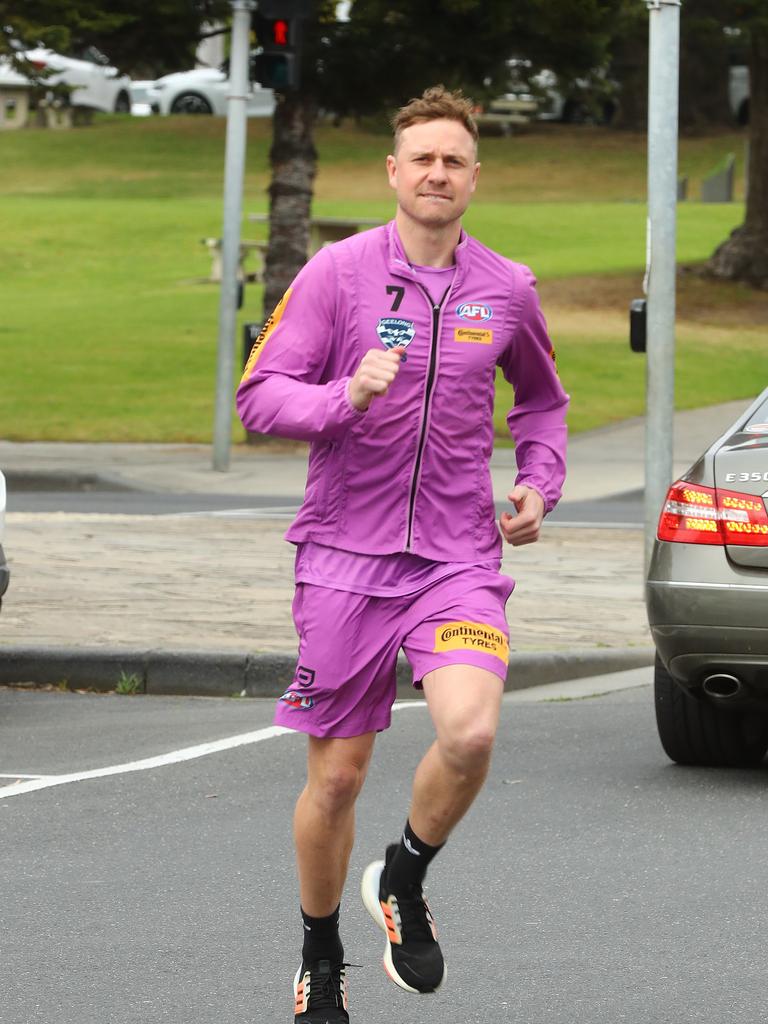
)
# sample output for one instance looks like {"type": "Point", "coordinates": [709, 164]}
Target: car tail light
{"type": "Point", "coordinates": [744, 517]}
{"type": "Point", "coordinates": [693, 514]}
{"type": "Point", "coordinates": [41, 65]}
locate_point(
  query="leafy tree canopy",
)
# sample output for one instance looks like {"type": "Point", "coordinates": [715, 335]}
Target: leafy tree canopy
{"type": "Point", "coordinates": [390, 50]}
{"type": "Point", "coordinates": [145, 38]}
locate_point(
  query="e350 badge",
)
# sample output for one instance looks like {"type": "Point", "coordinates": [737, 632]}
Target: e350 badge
{"type": "Point", "coordinates": [395, 333]}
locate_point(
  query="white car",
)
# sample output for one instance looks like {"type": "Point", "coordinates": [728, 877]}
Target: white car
{"type": "Point", "coordinates": [205, 91]}
{"type": "Point", "coordinates": [94, 83]}
{"type": "Point", "coordinates": [4, 573]}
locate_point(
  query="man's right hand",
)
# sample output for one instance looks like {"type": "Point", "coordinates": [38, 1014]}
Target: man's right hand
{"type": "Point", "coordinates": [374, 376]}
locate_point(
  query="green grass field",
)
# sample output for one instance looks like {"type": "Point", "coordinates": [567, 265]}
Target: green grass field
{"type": "Point", "coordinates": [108, 333]}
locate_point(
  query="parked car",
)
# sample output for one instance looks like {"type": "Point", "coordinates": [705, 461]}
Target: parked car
{"type": "Point", "coordinates": [707, 601]}
{"type": "Point", "coordinates": [205, 91]}
{"type": "Point", "coordinates": [4, 572]}
{"type": "Point", "coordinates": [591, 99]}
{"type": "Point", "coordinates": [95, 84]}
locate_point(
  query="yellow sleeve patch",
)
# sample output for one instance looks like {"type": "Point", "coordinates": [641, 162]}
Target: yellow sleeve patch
{"type": "Point", "coordinates": [471, 636]}
{"type": "Point", "coordinates": [473, 334]}
{"type": "Point", "coordinates": [263, 338]}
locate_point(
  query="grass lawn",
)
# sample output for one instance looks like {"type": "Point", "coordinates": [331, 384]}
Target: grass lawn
{"type": "Point", "coordinates": [108, 333]}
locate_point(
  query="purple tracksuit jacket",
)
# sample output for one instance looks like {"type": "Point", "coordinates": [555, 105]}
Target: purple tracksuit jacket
{"type": "Point", "coordinates": [412, 472]}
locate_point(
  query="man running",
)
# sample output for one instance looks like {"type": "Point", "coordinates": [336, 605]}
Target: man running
{"type": "Point", "coordinates": [383, 354]}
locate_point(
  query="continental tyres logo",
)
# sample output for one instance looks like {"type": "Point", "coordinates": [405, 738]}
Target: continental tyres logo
{"type": "Point", "coordinates": [471, 636]}
{"type": "Point", "coordinates": [263, 338]}
{"type": "Point", "coordinates": [474, 335]}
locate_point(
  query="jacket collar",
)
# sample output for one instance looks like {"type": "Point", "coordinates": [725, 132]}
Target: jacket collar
{"type": "Point", "coordinates": [398, 261]}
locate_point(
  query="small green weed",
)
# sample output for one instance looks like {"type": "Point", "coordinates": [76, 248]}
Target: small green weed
{"type": "Point", "coordinates": [128, 684]}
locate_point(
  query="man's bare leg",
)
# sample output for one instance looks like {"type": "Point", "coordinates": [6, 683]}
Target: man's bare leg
{"type": "Point", "coordinates": [464, 702]}
{"type": "Point", "coordinates": [324, 821]}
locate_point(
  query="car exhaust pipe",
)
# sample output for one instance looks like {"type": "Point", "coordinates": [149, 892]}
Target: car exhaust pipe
{"type": "Point", "coordinates": [722, 687]}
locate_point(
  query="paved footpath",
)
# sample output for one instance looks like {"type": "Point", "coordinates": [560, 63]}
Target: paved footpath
{"type": "Point", "coordinates": [214, 582]}
{"type": "Point", "coordinates": [221, 583]}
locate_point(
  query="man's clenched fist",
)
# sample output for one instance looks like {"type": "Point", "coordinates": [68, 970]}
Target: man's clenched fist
{"type": "Point", "coordinates": [523, 528]}
{"type": "Point", "coordinates": [374, 376]}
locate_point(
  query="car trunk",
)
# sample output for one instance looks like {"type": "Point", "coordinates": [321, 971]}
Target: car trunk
{"type": "Point", "coordinates": [741, 478]}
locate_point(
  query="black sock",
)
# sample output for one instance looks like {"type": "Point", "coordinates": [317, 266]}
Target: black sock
{"type": "Point", "coordinates": [410, 861]}
{"type": "Point", "coordinates": [321, 938]}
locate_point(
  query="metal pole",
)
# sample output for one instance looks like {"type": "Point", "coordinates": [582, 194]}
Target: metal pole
{"type": "Point", "coordinates": [234, 170]}
{"type": "Point", "coordinates": [663, 77]}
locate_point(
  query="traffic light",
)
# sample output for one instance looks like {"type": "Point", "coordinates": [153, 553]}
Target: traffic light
{"type": "Point", "coordinates": [277, 66]}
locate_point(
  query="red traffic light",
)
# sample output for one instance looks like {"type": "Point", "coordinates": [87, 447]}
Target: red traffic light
{"type": "Point", "coordinates": [280, 32]}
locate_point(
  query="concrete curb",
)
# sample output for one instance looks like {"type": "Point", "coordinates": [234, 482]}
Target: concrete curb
{"type": "Point", "coordinates": [63, 480]}
{"type": "Point", "coordinates": [227, 673]}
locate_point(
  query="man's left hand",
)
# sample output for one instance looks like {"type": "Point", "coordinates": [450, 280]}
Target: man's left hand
{"type": "Point", "coordinates": [524, 528]}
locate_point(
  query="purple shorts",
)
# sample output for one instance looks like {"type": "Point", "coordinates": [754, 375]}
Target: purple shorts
{"type": "Point", "coordinates": [348, 645]}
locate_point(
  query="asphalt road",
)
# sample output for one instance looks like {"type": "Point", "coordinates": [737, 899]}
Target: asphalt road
{"type": "Point", "coordinates": [622, 509]}
{"type": "Point", "coordinates": [592, 880]}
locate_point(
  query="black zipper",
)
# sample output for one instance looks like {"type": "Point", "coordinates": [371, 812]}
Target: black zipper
{"type": "Point", "coordinates": [436, 310]}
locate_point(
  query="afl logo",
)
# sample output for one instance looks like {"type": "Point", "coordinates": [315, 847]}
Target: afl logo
{"type": "Point", "coordinates": [475, 312]}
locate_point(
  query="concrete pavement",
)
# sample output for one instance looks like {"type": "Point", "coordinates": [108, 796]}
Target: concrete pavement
{"type": "Point", "coordinates": [200, 602]}
{"type": "Point", "coordinates": [601, 462]}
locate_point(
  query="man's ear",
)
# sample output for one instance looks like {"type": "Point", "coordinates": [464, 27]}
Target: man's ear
{"type": "Point", "coordinates": [392, 170]}
{"type": "Point", "coordinates": [475, 176]}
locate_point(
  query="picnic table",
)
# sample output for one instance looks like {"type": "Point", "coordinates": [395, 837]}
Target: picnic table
{"type": "Point", "coordinates": [506, 113]}
{"type": "Point", "coordinates": [324, 230]}
{"type": "Point", "coordinates": [248, 247]}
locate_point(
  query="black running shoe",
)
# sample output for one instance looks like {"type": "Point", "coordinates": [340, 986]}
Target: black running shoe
{"type": "Point", "coordinates": [321, 993]}
{"type": "Point", "coordinates": [412, 957]}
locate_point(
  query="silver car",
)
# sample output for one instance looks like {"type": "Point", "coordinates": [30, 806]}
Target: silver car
{"type": "Point", "coordinates": [707, 601]}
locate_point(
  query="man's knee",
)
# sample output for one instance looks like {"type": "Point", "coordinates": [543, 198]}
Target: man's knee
{"type": "Point", "coordinates": [468, 746]}
{"type": "Point", "coordinates": [337, 773]}
{"type": "Point", "coordinates": [465, 702]}
{"type": "Point", "coordinates": [338, 786]}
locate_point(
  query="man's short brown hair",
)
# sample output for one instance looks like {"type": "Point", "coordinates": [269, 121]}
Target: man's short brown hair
{"type": "Point", "coordinates": [435, 103]}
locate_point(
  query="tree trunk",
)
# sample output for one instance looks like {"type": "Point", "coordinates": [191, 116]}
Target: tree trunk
{"type": "Point", "coordinates": [630, 68]}
{"type": "Point", "coordinates": [744, 256]}
{"type": "Point", "coordinates": [704, 72]}
{"type": "Point", "coordinates": [294, 163]}
{"type": "Point", "coordinates": [293, 158]}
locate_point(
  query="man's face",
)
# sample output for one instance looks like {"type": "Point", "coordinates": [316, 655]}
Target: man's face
{"type": "Point", "coordinates": [434, 171]}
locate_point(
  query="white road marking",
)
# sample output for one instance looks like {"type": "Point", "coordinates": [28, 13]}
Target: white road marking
{"type": "Point", "coordinates": [268, 512]}
{"type": "Point", "coordinates": [572, 689]}
{"type": "Point", "coordinates": [173, 757]}
{"type": "Point", "coordinates": [36, 782]}
{"type": "Point", "coordinates": [588, 524]}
